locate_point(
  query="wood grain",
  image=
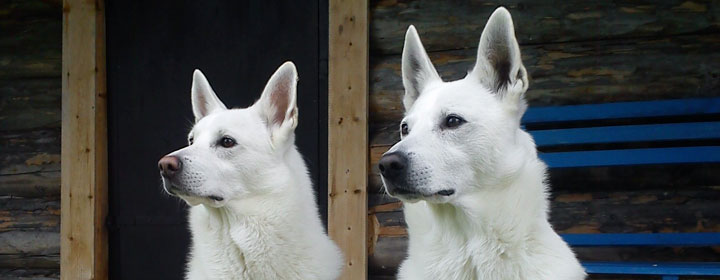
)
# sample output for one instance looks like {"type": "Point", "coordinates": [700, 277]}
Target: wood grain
{"type": "Point", "coordinates": [84, 137]}
{"type": "Point", "coordinates": [347, 132]}
{"type": "Point", "coordinates": [447, 25]}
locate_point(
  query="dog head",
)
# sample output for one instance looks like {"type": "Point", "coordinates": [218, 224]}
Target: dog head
{"type": "Point", "coordinates": [459, 136]}
{"type": "Point", "coordinates": [231, 151]}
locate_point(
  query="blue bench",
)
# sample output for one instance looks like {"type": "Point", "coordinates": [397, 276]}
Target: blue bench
{"type": "Point", "coordinates": [683, 131]}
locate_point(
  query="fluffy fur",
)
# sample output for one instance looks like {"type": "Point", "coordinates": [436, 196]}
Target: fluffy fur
{"type": "Point", "coordinates": [475, 194]}
{"type": "Point", "coordinates": [253, 213]}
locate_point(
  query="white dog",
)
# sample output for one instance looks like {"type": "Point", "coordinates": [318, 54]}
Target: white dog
{"type": "Point", "coordinates": [253, 213]}
{"type": "Point", "coordinates": [474, 189]}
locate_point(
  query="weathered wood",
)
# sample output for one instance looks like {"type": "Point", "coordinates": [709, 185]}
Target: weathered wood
{"type": "Point", "coordinates": [29, 274]}
{"type": "Point", "coordinates": [445, 25]}
{"type": "Point", "coordinates": [30, 163]}
{"type": "Point", "coordinates": [688, 209]}
{"type": "Point", "coordinates": [348, 132]}
{"type": "Point", "coordinates": [30, 104]}
{"type": "Point", "coordinates": [578, 72]}
{"type": "Point", "coordinates": [29, 214]}
{"type": "Point", "coordinates": [30, 41]}
{"type": "Point", "coordinates": [84, 142]}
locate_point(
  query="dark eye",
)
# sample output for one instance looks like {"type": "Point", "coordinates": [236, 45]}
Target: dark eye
{"type": "Point", "coordinates": [453, 121]}
{"type": "Point", "coordinates": [190, 141]}
{"type": "Point", "coordinates": [404, 129]}
{"type": "Point", "coordinates": [227, 142]}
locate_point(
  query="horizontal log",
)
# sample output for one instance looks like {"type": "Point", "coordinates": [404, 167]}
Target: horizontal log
{"type": "Point", "coordinates": [29, 262]}
{"type": "Point", "coordinates": [29, 152]}
{"type": "Point", "coordinates": [30, 104]}
{"type": "Point", "coordinates": [577, 72]}
{"type": "Point", "coordinates": [30, 243]}
{"type": "Point", "coordinates": [30, 274]}
{"type": "Point", "coordinates": [20, 216]}
{"type": "Point", "coordinates": [445, 25]}
{"type": "Point", "coordinates": [31, 41]}
{"type": "Point", "coordinates": [692, 209]}
{"type": "Point", "coordinates": [31, 185]}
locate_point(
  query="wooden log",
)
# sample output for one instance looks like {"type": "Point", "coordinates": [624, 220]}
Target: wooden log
{"type": "Point", "coordinates": [30, 43]}
{"type": "Point", "coordinates": [29, 274]}
{"type": "Point", "coordinates": [577, 72]}
{"type": "Point", "coordinates": [31, 185]}
{"type": "Point", "coordinates": [30, 104]}
{"type": "Point", "coordinates": [29, 214]}
{"type": "Point", "coordinates": [689, 209]}
{"type": "Point", "coordinates": [30, 163]}
{"type": "Point", "coordinates": [445, 25]}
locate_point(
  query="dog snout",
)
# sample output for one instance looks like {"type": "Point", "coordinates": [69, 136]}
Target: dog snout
{"type": "Point", "coordinates": [169, 166]}
{"type": "Point", "coordinates": [393, 165]}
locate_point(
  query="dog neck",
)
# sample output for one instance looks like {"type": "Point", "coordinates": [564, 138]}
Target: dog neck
{"type": "Point", "coordinates": [257, 233]}
{"type": "Point", "coordinates": [509, 215]}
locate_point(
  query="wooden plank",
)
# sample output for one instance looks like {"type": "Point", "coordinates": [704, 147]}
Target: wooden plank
{"type": "Point", "coordinates": [84, 139]}
{"type": "Point", "coordinates": [348, 132]}
{"type": "Point", "coordinates": [577, 72]}
{"type": "Point", "coordinates": [623, 110]}
{"type": "Point", "coordinates": [654, 268]}
{"type": "Point", "coordinates": [30, 103]}
{"type": "Point", "coordinates": [445, 25]}
{"type": "Point", "coordinates": [643, 239]}
{"type": "Point", "coordinates": [701, 154]}
{"type": "Point", "coordinates": [627, 134]}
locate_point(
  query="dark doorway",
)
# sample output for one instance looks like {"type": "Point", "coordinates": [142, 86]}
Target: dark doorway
{"type": "Point", "coordinates": [152, 49]}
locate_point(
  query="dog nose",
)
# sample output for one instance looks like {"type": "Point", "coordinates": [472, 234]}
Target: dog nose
{"type": "Point", "coordinates": [169, 165]}
{"type": "Point", "coordinates": [392, 165]}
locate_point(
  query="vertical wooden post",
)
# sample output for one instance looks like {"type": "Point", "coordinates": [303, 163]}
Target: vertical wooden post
{"type": "Point", "coordinates": [348, 132]}
{"type": "Point", "coordinates": [83, 244]}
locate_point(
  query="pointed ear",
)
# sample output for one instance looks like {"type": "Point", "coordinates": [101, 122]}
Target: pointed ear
{"type": "Point", "coordinates": [204, 100]}
{"type": "Point", "coordinates": [277, 105]}
{"type": "Point", "coordinates": [499, 64]}
{"type": "Point", "coordinates": [417, 69]}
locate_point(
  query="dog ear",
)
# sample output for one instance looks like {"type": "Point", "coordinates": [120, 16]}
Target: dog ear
{"type": "Point", "coordinates": [499, 64]}
{"type": "Point", "coordinates": [277, 105]}
{"type": "Point", "coordinates": [417, 69]}
{"type": "Point", "coordinates": [204, 100]}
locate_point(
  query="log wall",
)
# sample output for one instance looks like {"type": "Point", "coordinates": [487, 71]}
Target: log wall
{"type": "Point", "coordinates": [576, 52]}
{"type": "Point", "coordinates": [30, 105]}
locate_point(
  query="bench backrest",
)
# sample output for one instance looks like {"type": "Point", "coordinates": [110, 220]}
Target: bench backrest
{"type": "Point", "coordinates": [677, 131]}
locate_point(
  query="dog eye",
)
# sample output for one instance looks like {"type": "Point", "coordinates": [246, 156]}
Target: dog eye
{"type": "Point", "coordinates": [227, 142]}
{"type": "Point", "coordinates": [404, 129]}
{"type": "Point", "coordinates": [453, 121]}
{"type": "Point", "coordinates": [190, 141]}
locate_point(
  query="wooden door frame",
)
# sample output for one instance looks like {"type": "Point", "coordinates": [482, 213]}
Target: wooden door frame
{"type": "Point", "coordinates": [348, 132]}
{"type": "Point", "coordinates": [84, 165]}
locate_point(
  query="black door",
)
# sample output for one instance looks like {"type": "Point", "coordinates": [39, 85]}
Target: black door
{"type": "Point", "coordinates": [152, 49]}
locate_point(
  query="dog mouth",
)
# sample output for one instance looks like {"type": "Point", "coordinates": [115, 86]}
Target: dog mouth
{"type": "Point", "coordinates": [177, 191]}
{"type": "Point", "coordinates": [415, 194]}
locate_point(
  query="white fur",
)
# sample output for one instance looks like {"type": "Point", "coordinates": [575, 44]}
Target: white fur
{"type": "Point", "coordinates": [495, 224]}
{"type": "Point", "coordinates": [253, 213]}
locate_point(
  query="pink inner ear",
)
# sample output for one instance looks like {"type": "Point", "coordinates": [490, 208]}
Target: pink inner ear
{"type": "Point", "coordinates": [280, 98]}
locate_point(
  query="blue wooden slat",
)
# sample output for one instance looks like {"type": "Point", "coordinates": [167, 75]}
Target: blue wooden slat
{"type": "Point", "coordinates": [627, 133]}
{"type": "Point", "coordinates": [643, 239]}
{"type": "Point", "coordinates": [647, 268]}
{"type": "Point", "coordinates": [701, 154]}
{"type": "Point", "coordinates": [622, 110]}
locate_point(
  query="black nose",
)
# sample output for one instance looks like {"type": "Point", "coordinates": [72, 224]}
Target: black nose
{"type": "Point", "coordinates": [169, 166]}
{"type": "Point", "coordinates": [392, 165]}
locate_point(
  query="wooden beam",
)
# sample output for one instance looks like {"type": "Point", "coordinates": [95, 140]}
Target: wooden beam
{"type": "Point", "coordinates": [348, 132]}
{"type": "Point", "coordinates": [83, 237]}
